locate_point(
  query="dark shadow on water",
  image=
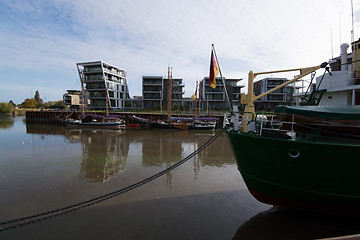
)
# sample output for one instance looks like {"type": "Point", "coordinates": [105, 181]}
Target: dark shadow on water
{"type": "Point", "coordinates": [280, 223]}
{"type": "Point", "coordinates": [201, 216]}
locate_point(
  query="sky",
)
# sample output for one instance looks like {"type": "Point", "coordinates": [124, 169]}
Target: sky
{"type": "Point", "coordinates": [41, 41]}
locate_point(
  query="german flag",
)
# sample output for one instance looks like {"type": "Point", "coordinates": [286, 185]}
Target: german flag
{"type": "Point", "coordinates": [214, 70]}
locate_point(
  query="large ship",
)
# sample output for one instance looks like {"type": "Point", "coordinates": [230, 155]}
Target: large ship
{"type": "Point", "coordinates": [316, 167]}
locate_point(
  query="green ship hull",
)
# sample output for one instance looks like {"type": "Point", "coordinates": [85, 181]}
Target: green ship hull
{"type": "Point", "coordinates": [287, 172]}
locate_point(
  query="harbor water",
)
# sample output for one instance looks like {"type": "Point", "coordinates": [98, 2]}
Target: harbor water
{"type": "Point", "coordinates": [45, 167]}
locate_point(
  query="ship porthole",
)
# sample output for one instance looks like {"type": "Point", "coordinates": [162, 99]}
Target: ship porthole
{"type": "Point", "coordinates": [294, 153]}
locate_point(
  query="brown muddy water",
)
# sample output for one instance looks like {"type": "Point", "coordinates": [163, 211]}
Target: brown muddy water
{"type": "Point", "coordinates": [44, 167]}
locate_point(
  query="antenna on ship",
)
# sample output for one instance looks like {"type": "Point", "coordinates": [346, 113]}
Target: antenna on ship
{"type": "Point", "coordinates": [352, 35]}
{"type": "Point", "coordinates": [331, 39]}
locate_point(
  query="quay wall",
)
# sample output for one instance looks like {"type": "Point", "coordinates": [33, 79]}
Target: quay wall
{"type": "Point", "coordinates": [59, 117]}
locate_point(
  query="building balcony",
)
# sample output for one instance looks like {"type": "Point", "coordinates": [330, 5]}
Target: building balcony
{"type": "Point", "coordinates": [176, 97]}
{"type": "Point", "coordinates": [153, 92]}
{"type": "Point", "coordinates": [150, 94]}
{"type": "Point", "coordinates": [113, 80]}
{"type": "Point", "coordinates": [277, 93]}
{"type": "Point", "coordinates": [97, 97]}
{"type": "Point", "coordinates": [274, 100]}
{"type": "Point", "coordinates": [95, 89]}
{"type": "Point", "coordinates": [115, 73]}
{"type": "Point", "coordinates": [152, 84]}
{"type": "Point", "coordinates": [207, 87]}
{"type": "Point", "coordinates": [213, 100]}
{"type": "Point", "coordinates": [93, 80]}
{"type": "Point", "coordinates": [152, 99]}
{"type": "Point", "coordinates": [214, 93]}
{"type": "Point", "coordinates": [92, 71]}
{"type": "Point", "coordinates": [178, 93]}
{"type": "Point", "coordinates": [273, 85]}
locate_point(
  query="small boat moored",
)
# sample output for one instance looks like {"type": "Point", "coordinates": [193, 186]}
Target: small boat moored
{"type": "Point", "coordinates": [95, 121]}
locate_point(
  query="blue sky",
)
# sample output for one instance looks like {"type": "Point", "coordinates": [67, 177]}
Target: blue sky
{"type": "Point", "coordinates": [41, 41]}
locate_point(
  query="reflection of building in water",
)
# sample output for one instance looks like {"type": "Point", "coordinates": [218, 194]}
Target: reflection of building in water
{"type": "Point", "coordinates": [219, 149]}
{"type": "Point", "coordinates": [169, 147]}
{"type": "Point", "coordinates": [218, 153]}
{"type": "Point", "coordinates": [162, 148]}
{"type": "Point", "coordinates": [104, 153]}
{"type": "Point", "coordinates": [73, 136]}
{"type": "Point", "coordinates": [196, 165]}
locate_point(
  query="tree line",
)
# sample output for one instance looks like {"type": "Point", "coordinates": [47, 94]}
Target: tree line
{"type": "Point", "coordinates": [35, 102]}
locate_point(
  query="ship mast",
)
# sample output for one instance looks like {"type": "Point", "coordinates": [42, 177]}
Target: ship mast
{"type": "Point", "coordinates": [106, 92]}
{"type": "Point", "coordinates": [82, 94]}
{"type": "Point", "coordinates": [84, 100]}
{"type": "Point", "coordinates": [199, 105]}
{"type": "Point", "coordinates": [107, 103]}
{"type": "Point", "coordinates": [169, 92]}
{"type": "Point", "coordinates": [222, 79]}
{"type": "Point", "coordinates": [196, 91]}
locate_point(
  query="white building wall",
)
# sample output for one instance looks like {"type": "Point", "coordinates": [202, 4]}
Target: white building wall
{"type": "Point", "coordinates": [336, 80]}
{"type": "Point", "coordinates": [336, 99]}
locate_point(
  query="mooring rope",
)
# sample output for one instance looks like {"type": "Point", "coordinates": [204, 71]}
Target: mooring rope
{"type": "Point", "coordinates": [74, 207]}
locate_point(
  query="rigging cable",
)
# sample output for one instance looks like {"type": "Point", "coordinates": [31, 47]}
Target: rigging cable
{"type": "Point", "coordinates": [74, 207]}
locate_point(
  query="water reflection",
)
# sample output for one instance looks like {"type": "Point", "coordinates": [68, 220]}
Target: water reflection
{"type": "Point", "coordinates": [278, 223]}
{"type": "Point", "coordinates": [6, 122]}
{"type": "Point", "coordinates": [105, 152]}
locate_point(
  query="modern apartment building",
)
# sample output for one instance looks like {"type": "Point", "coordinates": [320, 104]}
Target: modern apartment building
{"type": "Point", "coordinates": [134, 103]}
{"type": "Point", "coordinates": [156, 92]}
{"type": "Point", "coordinates": [104, 84]}
{"type": "Point", "coordinates": [283, 96]}
{"type": "Point", "coordinates": [215, 99]}
{"type": "Point", "coordinates": [152, 92]}
{"type": "Point", "coordinates": [73, 99]}
{"type": "Point", "coordinates": [176, 94]}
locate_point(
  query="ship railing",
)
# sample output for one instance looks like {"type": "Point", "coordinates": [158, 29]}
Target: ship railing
{"type": "Point", "coordinates": [270, 122]}
{"type": "Point", "coordinates": [254, 122]}
{"type": "Point", "coordinates": [286, 126]}
{"type": "Point", "coordinates": [320, 131]}
{"type": "Point", "coordinates": [232, 120]}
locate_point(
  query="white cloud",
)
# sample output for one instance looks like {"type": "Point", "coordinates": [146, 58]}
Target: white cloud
{"type": "Point", "coordinates": [145, 37]}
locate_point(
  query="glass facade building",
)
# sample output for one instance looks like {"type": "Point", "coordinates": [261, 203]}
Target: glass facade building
{"type": "Point", "coordinates": [103, 83]}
